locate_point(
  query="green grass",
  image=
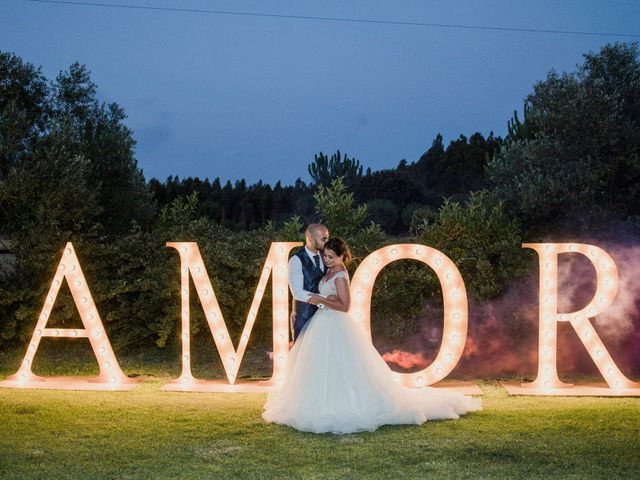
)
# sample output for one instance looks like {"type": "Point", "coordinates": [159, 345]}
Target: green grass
{"type": "Point", "coordinates": [147, 433]}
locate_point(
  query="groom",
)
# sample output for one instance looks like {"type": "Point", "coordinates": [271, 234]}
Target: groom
{"type": "Point", "coordinates": [306, 269]}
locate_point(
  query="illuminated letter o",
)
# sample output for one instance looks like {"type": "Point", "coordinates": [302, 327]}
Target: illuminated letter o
{"type": "Point", "coordinates": [454, 333]}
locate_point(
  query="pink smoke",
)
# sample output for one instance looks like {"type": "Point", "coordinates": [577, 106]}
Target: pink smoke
{"type": "Point", "coordinates": [406, 360]}
{"type": "Point", "coordinates": [503, 332]}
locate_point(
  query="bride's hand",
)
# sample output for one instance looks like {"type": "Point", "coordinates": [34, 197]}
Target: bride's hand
{"type": "Point", "coordinates": [315, 299]}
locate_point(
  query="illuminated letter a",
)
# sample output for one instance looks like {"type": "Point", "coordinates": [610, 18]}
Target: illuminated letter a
{"type": "Point", "coordinates": [111, 376]}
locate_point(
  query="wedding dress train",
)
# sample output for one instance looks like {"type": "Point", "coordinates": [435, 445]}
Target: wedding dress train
{"type": "Point", "coordinates": [336, 381]}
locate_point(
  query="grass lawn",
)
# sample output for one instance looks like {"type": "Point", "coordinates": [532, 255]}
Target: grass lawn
{"type": "Point", "coordinates": [146, 433]}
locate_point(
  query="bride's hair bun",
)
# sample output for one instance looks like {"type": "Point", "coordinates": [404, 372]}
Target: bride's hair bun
{"type": "Point", "coordinates": [340, 247]}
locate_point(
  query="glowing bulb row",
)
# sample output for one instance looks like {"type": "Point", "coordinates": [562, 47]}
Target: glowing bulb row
{"type": "Point", "coordinates": [455, 314]}
{"type": "Point", "coordinates": [110, 372]}
{"type": "Point", "coordinates": [192, 263]}
{"type": "Point", "coordinates": [455, 305]}
{"type": "Point", "coordinates": [606, 289]}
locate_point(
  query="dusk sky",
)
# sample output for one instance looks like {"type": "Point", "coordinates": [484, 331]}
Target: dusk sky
{"type": "Point", "coordinates": [236, 96]}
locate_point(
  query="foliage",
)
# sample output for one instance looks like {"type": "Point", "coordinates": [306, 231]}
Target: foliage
{"type": "Point", "coordinates": [67, 173]}
{"type": "Point", "coordinates": [384, 212]}
{"type": "Point", "coordinates": [325, 169]}
{"type": "Point", "coordinates": [135, 280]}
{"type": "Point", "coordinates": [49, 198]}
{"type": "Point", "coordinates": [585, 155]}
{"type": "Point", "coordinates": [407, 213]}
{"type": "Point", "coordinates": [239, 206]}
{"type": "Point", "coordinates": [335, 206]}
{"type": "Point", "coordinates": [440, 172]}
{"type": "Point", "coordinates": [480, 236]}
{"type": "Point", "coordinates": [521, 130]}
{"type": "Point", "coordinates": [292, 230]}
{"type": "Point", "coordinates": [459, 169]}
{"type": "Point", "coordinates": [421, 218]}
{"type": "Point", "coordinates": [23, 109]}
{"type": "Point", "coordinates": [62, 122]}
{"type": "Point", "coordinates": [451, 171]}
{"type": "Point", "coordinates": [482, 239]}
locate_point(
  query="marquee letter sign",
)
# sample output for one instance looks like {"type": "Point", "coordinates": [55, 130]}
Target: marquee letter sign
{"type": "Point", "coordinates": [547, 381]}
{"type": "Point", "coordinates": [454, 333]}
{"type": "Point", "coordinates": [111, 376]}
{"type": "Point", "coordinates": [192, 266]}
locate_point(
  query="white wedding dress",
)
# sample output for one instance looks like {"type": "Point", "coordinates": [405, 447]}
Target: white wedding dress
{"type": "Point", "coordinates": [336, 381]}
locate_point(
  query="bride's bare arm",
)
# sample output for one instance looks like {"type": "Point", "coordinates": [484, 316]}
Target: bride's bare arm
{"type": "Point", "coordinates": [341, 302]}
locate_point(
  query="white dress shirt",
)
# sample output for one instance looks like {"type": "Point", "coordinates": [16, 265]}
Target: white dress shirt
{"type": "Point", "coordinates": [296, 277]}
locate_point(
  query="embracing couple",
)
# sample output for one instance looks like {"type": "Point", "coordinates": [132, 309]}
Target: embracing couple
{"type": "Point", "coordinates": [336, 381]}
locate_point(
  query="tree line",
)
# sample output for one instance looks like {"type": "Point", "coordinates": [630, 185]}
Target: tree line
{"type": "Point", "coordinates": [569, 168]}
{"type": "Point", "coordinates": [393, 196]}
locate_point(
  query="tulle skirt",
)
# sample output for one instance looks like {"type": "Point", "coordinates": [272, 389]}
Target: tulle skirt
{"type": "Point", "coordinates": [337, 382]}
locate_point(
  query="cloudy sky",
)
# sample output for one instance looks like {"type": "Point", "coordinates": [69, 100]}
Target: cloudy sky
{"type": "Point", "coordinates": [255, 97]}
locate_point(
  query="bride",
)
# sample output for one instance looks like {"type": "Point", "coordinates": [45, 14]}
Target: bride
{"type": "Point", "coordinates": [335, 379]}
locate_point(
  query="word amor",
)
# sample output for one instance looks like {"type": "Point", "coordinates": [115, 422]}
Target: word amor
{"type": "Point", "coordinates": [454, 334]}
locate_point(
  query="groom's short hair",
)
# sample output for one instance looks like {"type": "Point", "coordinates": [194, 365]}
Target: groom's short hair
{"type": "Point", "coordinates": [314, 227]}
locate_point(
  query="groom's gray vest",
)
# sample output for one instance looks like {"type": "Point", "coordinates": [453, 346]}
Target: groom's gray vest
{"type": "Point", "coordinates": [312, 276]}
